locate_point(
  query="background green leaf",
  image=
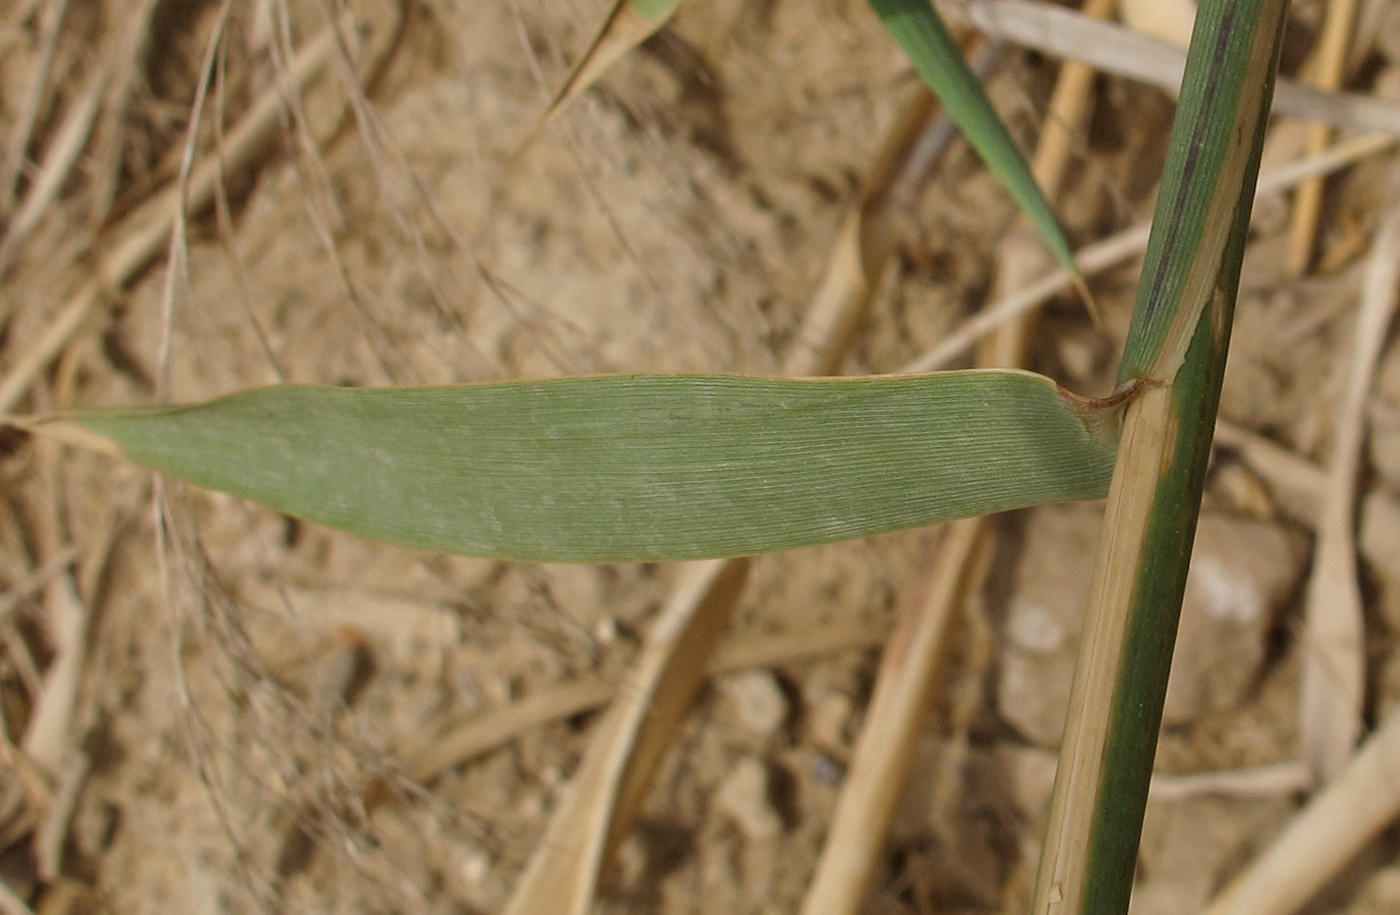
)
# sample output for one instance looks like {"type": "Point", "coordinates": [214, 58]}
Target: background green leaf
{"type": "Point", "coordinates": [656, 9]}
{"type": "Point", "coordinates": [933, 52]}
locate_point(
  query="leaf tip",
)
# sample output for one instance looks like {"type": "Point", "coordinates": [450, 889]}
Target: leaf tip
{"type": "Point", "coordinates": [1091, 305]}
{"type": "Point", "coordinates": [66, 431]}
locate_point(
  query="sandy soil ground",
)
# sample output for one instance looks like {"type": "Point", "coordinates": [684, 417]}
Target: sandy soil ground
{"type": "Point", "coordinates": [228, 711]}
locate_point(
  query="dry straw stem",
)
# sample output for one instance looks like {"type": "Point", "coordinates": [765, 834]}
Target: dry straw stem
{"type": "Point", "coordinates": [622, 756]}
{"type": "Point", "coordinates": [35, 581]}
{"type": "Point", "coordinates": [625, 26]}
{"type": "Point", "coordinates": [1262, 781]}
{"type": "Point", "coordinates": [899, 706]}
{"type": "Point", "coordinates": [142, 235]}
{"type": "Point", "coordinates": [1335, 825]}
{"type": "Point", "coordinates": [51, 838]}
{"type": "Point", "coordinates": [106, 86]}
{"type": "Point", "coordinates": [872, 229]}
{"type": "Point", "coordinates": [29, 109]}
{"type": "Point", "coordinates": [1334, 650]}
{"type": "Point", "coordinates": [1119, 51]}
{"type": "Point", "coordinates": [48, 735]}
{"type": "Point", "coordinates": [1118, 248]}
{"type": "Point", "coordinates": [68, 143]}
{"type": "Point", "coordinates": [1303, 481]}
{"type": "Point", "coordinates": [910, 664]}
{"type": "Point", "coordinates": [1325, 70]}
{"type": "Point", "coordinates": [458, 743]}
{"type": "Point", "coordinates": [610, 784]}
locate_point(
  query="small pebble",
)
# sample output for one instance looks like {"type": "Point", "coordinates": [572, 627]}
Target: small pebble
{"type": "Point", "coordinates": [606, 632]}
{"type": "Point", "coordinates": [828, 771]}
{"type": "Point", "coordinates": [476, 866]}
{"type": "Point", "coordinates": [743, 799]}
{"type": "Point", "coordinates": [757, 700]}
{"type": "Point", "coordinates": [827, 721]}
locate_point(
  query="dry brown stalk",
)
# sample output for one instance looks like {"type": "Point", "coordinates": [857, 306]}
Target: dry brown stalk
{"type": "Point", "coordinates": [1118, 248]}
{"type": "Point", "coordinates": [49, 736]}
{"type": "Point", "coordinates": [1124, 52]}
{"type": "Point", "coordinates": [610, 784]}
{"type": "Point", "coordinates": [1325, 836]}
{"type": "Point", "coordinates": [459, 743]}
{"type": "Point", "coordinates": [13, 165]}
{"type": "Point", "coordinates": [1334, 651]}
{"type": "Point", "coordinates": [1325, 71]}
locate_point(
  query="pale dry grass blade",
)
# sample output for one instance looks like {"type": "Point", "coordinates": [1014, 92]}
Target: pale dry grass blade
{"type": "Point", "coordinates": [1301, 481]}
{"type": "Point", "coordinates": [142, 235]}
{"type": "Point", "coordinates": [486, 732]}
{"type": "Point", "coordinates": [1264, 781]}
{"type": "Point", "coordinates": [1119, 248]}
{"type": "Point", "coordinates": [29, 109]}
{"type": "Point", "coordinates": [36, 580]}
{"type": "Point", "coordinates": [956, 569]}
{"type": "Point", "coordinates": [610, 784]}
{"type": "Point", "coordinates": [622, 29]}
{"type": "Point", "coordinates": [68, 143]}
{"type": "Point", "coordinates": [48, 735]}
{"type": "Point", "coordinates": [1333, 646]}
{"type": "Point", "coordinates": [51, 838]}
{"type": "Point", "coordinates": [127, 55]}
{"type": "Point", "coordinates": [1339, 820]}
{"type": "Point", "coordinates": [1123, 52]}
{"type": "Point", "coordinates": [1325, 71]}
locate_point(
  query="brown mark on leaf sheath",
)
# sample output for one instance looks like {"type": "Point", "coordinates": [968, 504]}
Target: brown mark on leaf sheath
{"type": "Point", "coordinates": [1103, 416]}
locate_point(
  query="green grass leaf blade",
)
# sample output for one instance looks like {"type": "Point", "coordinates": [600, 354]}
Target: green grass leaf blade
{"type": "Point", "coordinates": [919, 30]}
{"type": "Point", "coordinates": [634, 467]}
{"type": "Point", "coordinates": [1218, 120]}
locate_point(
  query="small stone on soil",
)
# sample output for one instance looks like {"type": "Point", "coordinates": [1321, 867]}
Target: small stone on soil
{"type": "Point", "coordinates": [757, 701]}
{"type": "Point", "coordinates": [743, 798]}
